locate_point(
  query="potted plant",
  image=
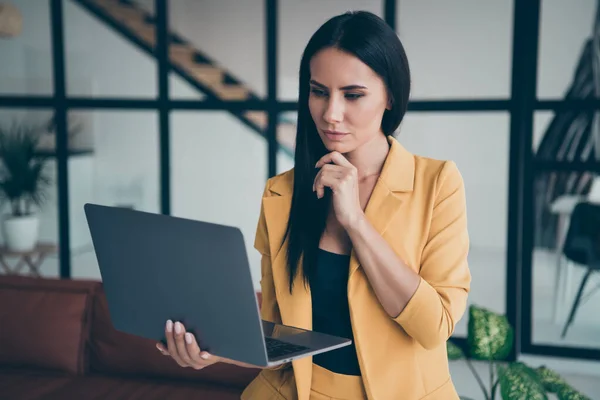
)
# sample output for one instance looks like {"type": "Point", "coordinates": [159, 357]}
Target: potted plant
{"type": "Point", "coordinates": [490, 339]}
{"type": "Point", "coordinates": [23, 184]}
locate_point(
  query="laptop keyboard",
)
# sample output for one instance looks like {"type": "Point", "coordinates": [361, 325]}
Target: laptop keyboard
{"type": "Point", "coordinates": [277, 348]}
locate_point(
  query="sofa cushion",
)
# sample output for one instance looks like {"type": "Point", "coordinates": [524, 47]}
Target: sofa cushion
{"type": "Point", "coordinates": [30, 384]}
{"type": "Point", "coordinates": [117, 352]}
{"type": "Point", "coordinates": [45, 322]}
{"type": "Point", "coordinates": [98, 387]}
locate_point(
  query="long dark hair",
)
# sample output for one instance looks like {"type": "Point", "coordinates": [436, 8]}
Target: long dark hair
{"type": "Point", "coordinates": [370, 39]}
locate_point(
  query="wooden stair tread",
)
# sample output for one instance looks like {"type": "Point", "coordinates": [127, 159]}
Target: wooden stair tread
{"type": "Point", "coordinates": [120, 11]}
{"type": "Point", "coordinates": [230, 92]}
{"type": "Point", "coordinates": [259, 118]}
{"type": "Point", "coordinates": [208, 74]}
{"type": "Point", "coordinates": [144, 30]}
{"type": "Point", "coordinates": [181, 50]}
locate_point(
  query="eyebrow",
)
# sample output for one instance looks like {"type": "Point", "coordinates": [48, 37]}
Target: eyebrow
{"type": "Point", "coordinates": [349, 87]}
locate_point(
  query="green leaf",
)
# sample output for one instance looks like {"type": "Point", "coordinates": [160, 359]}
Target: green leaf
{"type": "Point", "coordinates": [554, 383]}
{"type": "Point", "coordinates": [23, 180]}
{"type": "Point", "coordinates": [519, 382]}
{"type": "Point", "coordinates": [550, 379]}
{"type": "Point", "coordinates": [568, 393]}
{"type": "Point", "coordinates": [454, 352]}
{"type": "Point", "coordinates": [490, 335]}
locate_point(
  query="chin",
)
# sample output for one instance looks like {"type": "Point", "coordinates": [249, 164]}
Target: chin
{"type": "Point", "coordinates": [339, 146]}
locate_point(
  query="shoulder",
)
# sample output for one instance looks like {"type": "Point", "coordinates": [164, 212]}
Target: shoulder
{"type": "Point", "coordinates": [281, 184]}
{"type": "Point", "coordinates": [437, 173]}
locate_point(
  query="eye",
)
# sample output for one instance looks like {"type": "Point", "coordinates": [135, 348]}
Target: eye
{"type": "Point", "coordinates": [318, 92]}
{"type": "Point", "coordinates": [354, 96]}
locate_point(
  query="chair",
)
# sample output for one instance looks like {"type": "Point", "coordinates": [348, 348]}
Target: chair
{"type": "Point", "coordinates": [563, 207]}
{"type": "Point", "coordinates": [582, 247]}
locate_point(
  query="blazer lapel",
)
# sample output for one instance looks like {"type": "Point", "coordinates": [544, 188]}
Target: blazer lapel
{"type": "Point", "coordinates": [395, 182]}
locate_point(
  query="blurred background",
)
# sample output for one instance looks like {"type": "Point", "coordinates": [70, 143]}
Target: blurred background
{"type": "Point", "coordinates": [186, 107]}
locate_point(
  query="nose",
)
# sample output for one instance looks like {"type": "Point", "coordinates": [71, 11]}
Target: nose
{"type": "Point", "coordinates": [334, 112]}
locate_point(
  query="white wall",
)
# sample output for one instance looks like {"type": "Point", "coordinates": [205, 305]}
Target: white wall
{"type": "Point", "coordinates": [564, 28]}
{"type": "Point", "coordinates": [298, 21]}
{"type": "Point", "coordinates": [218, 172]}
{"type": "Point", "coordinates": [457, 49]}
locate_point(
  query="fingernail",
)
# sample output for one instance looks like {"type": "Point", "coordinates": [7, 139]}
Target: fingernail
{"type": "Point", "coordinates": [204, 356]}
{"type": "Point", "coordinates": [169, 326]}
{"type": "Point", "coordinates": [188, 338]}
{"type": "Point", "coordinates": [178, 328]}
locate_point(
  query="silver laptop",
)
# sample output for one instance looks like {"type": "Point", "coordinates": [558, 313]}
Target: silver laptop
{"type": "Point", "coordinates": [156, 267]}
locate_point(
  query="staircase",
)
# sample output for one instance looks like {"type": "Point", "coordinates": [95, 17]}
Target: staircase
{"type": "Point", "coordinates": [139, 27]}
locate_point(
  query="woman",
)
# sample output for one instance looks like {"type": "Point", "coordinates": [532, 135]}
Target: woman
{"type": "Point", "coordinates": [360, 239]}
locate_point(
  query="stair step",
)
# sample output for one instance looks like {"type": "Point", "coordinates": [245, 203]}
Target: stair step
{"type": "Point", "coordinates": [206, 74]}
{"type": "Point", "coordinates": [229, 92]}
{"type": "Point", "coordinates": [146, 31]}
{"type": "Point", "coordinates": [122, 12]}
{"type": "Point", "coordinates": [260, 118]}
{"type": "Point", "coordinates": [181, 53]}
{"type": "Point", "coordinates": [106, 3]}
{"type": "Point", "coordinates": [148, 35]}
{"type": "Point", "coordinates": [127, 15]}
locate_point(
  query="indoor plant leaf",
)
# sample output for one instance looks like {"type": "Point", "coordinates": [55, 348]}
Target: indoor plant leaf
{"type": "Point", "coordinates": [454, 352]}
{"type": "Point", "coordinates": [490, 335]}
{"type": "Point", "coordinates": [23, 181]}
{"type": "Point", "coordinates": [550, 379]}
{"type": "Point", "coordinates": [554, 383]}
{"type": "Point", "coordinates": [566, 392]}
{"type": "Point", "coordinates": [518, 382]}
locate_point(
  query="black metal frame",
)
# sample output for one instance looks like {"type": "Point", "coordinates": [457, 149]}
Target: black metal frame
{"type": "Point", "coordinates": [521, 106]}
{"type": "Point", "coordinates": [60, 109]}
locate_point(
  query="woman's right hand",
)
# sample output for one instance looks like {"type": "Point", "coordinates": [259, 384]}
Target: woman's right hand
{"type": "Point", "coordinates": [184, 349]}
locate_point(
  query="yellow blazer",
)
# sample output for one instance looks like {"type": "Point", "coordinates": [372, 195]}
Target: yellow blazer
{"type": "Point", "coordinates": [418, 206]}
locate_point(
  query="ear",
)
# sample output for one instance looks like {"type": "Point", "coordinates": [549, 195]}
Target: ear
{"type": "Point", "coordinates": [390, 102]}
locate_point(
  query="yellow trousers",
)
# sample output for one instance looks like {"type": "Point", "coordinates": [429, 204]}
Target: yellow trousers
{"type": "Point", "coordinates": [326, 385]}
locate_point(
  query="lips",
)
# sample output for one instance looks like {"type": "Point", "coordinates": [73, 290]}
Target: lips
{"type": "Point", "coordinates": [334, 135]}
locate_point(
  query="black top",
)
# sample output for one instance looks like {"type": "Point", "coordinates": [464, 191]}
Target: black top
{"type": "Point", "coordinates": [331, 313]}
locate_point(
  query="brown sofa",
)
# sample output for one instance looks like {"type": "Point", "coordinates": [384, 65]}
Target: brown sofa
{"type": "Point", "coordinates": [57, 342]}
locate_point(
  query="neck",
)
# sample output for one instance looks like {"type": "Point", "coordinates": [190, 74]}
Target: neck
{"type": "Point", "coordinates": [370, 157]}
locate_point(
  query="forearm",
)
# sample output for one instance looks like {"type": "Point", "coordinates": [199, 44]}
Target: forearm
{"type": "Point", "coordinates": [392, 280]}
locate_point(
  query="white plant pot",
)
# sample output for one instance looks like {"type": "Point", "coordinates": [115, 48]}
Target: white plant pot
{"type": "Point", "coordinates": [20, 233]}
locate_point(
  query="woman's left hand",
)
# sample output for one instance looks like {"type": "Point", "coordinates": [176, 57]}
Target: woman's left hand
{"type": "Point", "coordinates": [342, 178]}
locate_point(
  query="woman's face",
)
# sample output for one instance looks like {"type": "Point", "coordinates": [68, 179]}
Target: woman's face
{"type": "Point", "coordinates": [347, 100]}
